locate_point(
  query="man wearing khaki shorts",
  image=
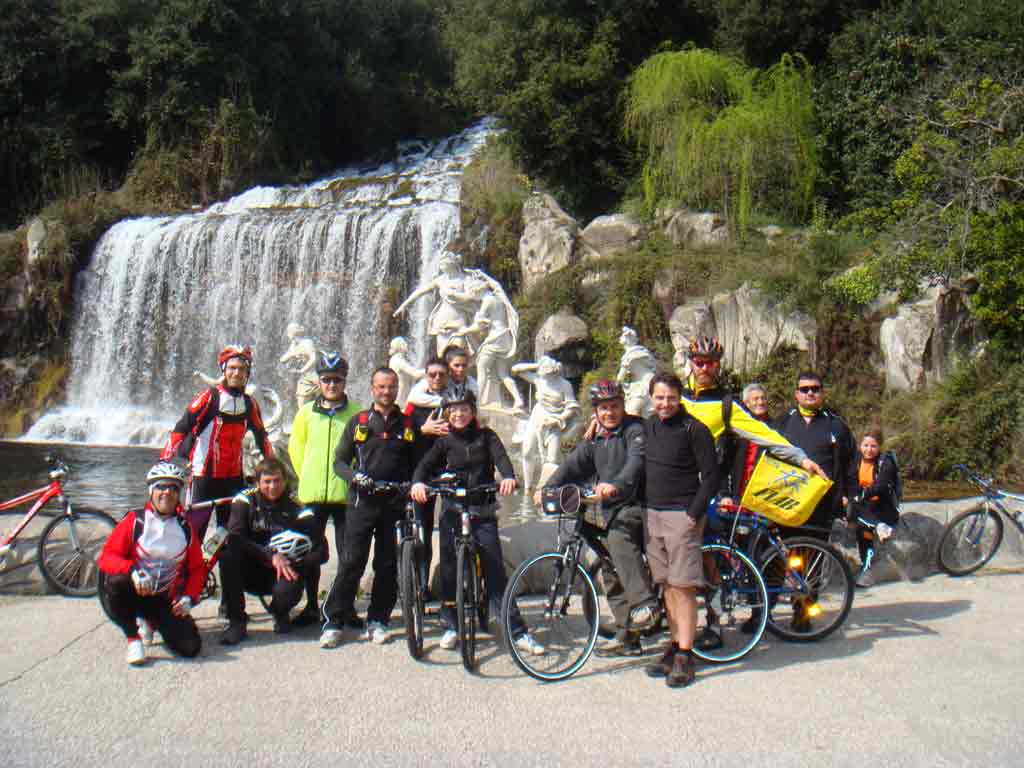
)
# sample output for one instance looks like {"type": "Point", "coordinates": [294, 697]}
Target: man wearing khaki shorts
{"type": "Point", "coordinates": [681, 478]}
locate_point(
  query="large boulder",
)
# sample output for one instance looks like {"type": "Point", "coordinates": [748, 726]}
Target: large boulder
{"type": "Point", "coordinates": [699, 228]}
{"type": "Point", "coordinates": [748, 323]}
{"type": "Point", "coordinates": [921, 343]}
{"type": "Point", "coordinates": [610, 235]}
{"type": "Point", "coordinates": [549, 240]}
{"type": "Point", "coordinates": [560, 330]}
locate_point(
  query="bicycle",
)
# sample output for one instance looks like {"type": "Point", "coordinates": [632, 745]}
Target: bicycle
{"type": "Point", "coordinates": [810, 584]}
{"type": "Point", "coordinates": [412, 575]}
{"type": "Point", "coordinates": [472, 610]}
{"type": "Point", "coordinates": [561, 599]}
{"type": "Point", "coordinates": [70, 543]}
{"type": "Point", "coordinates": [973, 537]}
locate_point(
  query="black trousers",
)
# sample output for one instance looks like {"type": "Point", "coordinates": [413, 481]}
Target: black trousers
{"type": "Point", "coordinates": [206, 488]}
{"type": "Point", "coordinates": [485, 531]}
{"type": "Point", "coordinates": [241, 572]}
{"type": "Point", "coordinates": [626, 546]}
{"type": "Point", "coordinates": [370, 520]}
{"type": "Point", "coordinates": [179, 634]}
{"type": "Point", "coordinates": [325, 512]}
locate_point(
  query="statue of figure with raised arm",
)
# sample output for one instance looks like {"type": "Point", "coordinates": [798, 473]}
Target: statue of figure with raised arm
{"type": "Point", "coordinates": [303, 349]}
{"type": "Point", "coordinates": [408, 374]}
{"type": "Point", "coordinates": [555, 416]}
{"type": "Point", "coordinates": [636, 369]}
{"type": "Point", "coordinates": [496, 323]}
{"type": "Point", "coordinates": [455, 306]}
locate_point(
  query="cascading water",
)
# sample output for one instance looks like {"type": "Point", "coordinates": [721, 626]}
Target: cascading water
{"type": "Point", "coordinates": [163, 295]}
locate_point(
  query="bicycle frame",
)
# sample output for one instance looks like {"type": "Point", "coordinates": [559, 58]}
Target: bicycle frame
{"type": "Point", "coordinates": [745, 523]}
{"type": "Point", "coordinates": [995, 496]}
{"type": "Point", "coordinates": [53, 490]}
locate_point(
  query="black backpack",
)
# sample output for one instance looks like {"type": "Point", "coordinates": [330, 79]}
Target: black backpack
{"type": "Point", "coordinates": [897, 485]}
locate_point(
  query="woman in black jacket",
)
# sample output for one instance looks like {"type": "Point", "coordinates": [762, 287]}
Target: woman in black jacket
{"type": "Point", "coordinates": [874, 508]}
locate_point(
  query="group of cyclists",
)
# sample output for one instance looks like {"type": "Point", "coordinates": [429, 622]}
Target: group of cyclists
{"type": "Point", "coordinates": [356, 466]}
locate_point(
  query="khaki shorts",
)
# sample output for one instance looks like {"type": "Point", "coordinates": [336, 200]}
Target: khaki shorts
{"type": "Point", "coordinates": [673, 541]}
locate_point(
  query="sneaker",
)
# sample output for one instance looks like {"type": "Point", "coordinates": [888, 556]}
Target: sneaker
{"type": "Point", "coordinates": [865, 578]}
{"type": "Point", "coordinates": [663, 665]}
{"type": "Point", "coordinates": [644, 617]}
{"type": "Point", "coordinates": [683, 671]}
{"type": "Point", "coordinates": [528, 644]}
{"type": "Point", "coordinates": [331, 636]}
{"type": "Point", "coordinates": [377, 633]}
{"type": "Point", "coordinates": [625, 643]}
{"type": "Point", "coordinates": [136, 654]}
{"type": "Point", "coordinates": [450, 639]}
{"type": "Point", "coordinates": [708, 640]}
{"type": "Point", "coordinates": [234, 634]}
{"type": "Point", "coordinates": [282, 624]}
{"type": "Point", "coordinates": [145, 632]}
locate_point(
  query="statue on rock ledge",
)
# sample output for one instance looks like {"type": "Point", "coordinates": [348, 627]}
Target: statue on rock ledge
{"type": "Point", "coordinates": [555, 417]}
{"type": "Point", "coordinates": [455, 306]}
{"type": "Point", "coordinates": [636, 369]}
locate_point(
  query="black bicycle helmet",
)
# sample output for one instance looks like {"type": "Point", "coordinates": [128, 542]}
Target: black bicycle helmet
{"type": "Point", "coordinates": [332, 362]}
{"type": "Point", "coordinates": [458, 394]}
{"type": "Point", "coordinates": [606, 389]}
{"type": "Point", "coordinates": [706, 346]}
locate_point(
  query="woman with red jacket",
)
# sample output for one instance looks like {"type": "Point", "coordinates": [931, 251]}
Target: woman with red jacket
{"type": "Point", "coordinates": [154, 568]}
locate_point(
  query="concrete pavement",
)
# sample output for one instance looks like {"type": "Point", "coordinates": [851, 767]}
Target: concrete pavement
{"type": "Point", "coordinates": [925, 673]}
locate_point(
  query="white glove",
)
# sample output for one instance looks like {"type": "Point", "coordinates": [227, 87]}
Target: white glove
{"type": "Point", "coordinates": [184, 605]}
{"type": "Point", "coordinates": [362, 480]}
{"type": "Point", "coordinates": [143, 582]}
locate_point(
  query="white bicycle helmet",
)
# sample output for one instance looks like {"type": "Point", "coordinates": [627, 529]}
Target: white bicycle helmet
{"type": "Point", "coordinates": [166, 470]}
{"type": "Point", "coordinates": [291, 544]}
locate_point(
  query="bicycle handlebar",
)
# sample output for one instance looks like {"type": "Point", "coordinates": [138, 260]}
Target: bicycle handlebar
{"type": "Point", "coordinates": [974, 477]}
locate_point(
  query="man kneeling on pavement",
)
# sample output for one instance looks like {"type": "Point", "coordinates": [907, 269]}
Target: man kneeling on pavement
{"type": "Point", "coordinates": [274, 547]}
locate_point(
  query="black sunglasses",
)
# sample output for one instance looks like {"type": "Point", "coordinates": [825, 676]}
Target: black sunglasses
{"type": "Point", "coordinates": [167, 487]}
{"type": "Point", "coordinates": [331, 380]}
{"type": "Point", "coordinates": [809, 390]}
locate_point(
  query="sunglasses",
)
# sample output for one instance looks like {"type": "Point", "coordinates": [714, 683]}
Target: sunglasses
{"type": "Point", "coordinates": [168, 487]}
{"type": "Point", "coordinates": [702, 364]}
{"type": "Point", "coordinates": [331, 380]}
{"type": "Point", "coordinates": [436, 374]}
{"type": "Point", "coordinates": [808, 390]}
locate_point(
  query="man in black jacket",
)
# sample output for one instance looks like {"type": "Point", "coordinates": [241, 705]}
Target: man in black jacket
{"type": "Point", "coordinates": [682, 476]}
{"type": "Point", "coordinates": [376, 446]}
{"type": "Point", "coordinates": [826, 439]}
{"type": "Point", "coordinates": [613, 459]}
{"type": "Point", "coordinates": [274, 547]}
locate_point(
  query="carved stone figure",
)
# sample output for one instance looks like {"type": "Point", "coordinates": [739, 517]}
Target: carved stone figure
{"type": "Point", "coordinates": [408, 374]}
{"type": "Point", "coordinates": [555, 416]}
{"type": "Point", "coordinates": [636, 369]}
{"type": "Point", "coordinates": [303, 349]}
{"type": "Point", "coordinates": [496, 324]}
{"type": "Point", "coordinates": [455, 306]}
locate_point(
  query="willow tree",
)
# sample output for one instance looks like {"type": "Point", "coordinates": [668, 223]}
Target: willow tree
{"type": "Point", "coordinates": [715, 133]}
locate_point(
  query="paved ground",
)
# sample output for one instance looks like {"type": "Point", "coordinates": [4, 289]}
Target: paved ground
{"type": "Point", "coordinates": [926, 673]}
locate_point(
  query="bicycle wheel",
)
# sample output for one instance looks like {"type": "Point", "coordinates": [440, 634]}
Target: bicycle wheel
{"type": "Point", "coordinates": [970, 540]}
{"type": "Point", "coordinates": [412, 599]}
{"type": "Point", "coordinates": [811, 589]}
{"type": "Point", "coordinates": [467, 592]}
{"type": "Point", "coordinates": [560, 607]}
{"type": "Point", "coordinates": [737, 603]}
{"type": "Point", "coordinates": [68, 549]}
{"type": "Point", "coordinates": [483, 604]}
{"type": "Point", "coordinates": [602, 573]}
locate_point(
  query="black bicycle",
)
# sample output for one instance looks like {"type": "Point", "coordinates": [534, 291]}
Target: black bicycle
{"type": "Point", "coordinates": [412, 575]}
{"type": "Point", "coordinates": [472, 609]}
{"type": "Point", "coordinates": [558, 597]}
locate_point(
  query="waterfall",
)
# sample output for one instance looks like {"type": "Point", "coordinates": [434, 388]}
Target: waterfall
{"type": "Point", "coordinates": [162, 295]}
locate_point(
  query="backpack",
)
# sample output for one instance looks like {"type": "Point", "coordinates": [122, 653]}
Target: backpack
{"type": "Point", "coordinates": [897, 485]}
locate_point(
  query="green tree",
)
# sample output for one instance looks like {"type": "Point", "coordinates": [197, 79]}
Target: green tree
{"type": "Point", "coordinates": [716, 133]}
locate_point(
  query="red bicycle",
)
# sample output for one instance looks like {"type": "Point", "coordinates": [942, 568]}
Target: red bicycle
{"type": "Point", "coordinates": [69, 544]}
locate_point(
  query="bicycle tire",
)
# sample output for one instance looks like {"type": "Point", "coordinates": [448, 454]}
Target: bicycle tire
{"type": "Point", "coordinates": [976, 533]}
{"type": "Point", "coordinates": [739, 602]}
{"type": "Point", "coordinates": [68, 549]}
{"type": "Point", "coordinates": [466, 594]}
{"type": "Point", "coordinates": [806, 618]}
{"type": "Point", "coordinates": [568, 636]}
{"type": "Point", "coordinates": [483, 604]}
{"type": "Point", "coordinates": [412, 599]}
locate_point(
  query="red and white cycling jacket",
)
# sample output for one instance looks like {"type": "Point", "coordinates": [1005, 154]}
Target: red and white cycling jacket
{"type": "Point", "coordinates": [144, 539]}
{"type": "Point", "coordinates": [211, 431]}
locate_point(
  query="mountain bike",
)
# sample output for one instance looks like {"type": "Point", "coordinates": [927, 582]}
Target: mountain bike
{"type": "Point", "coordinates": [810, 584]}
{"type": "Point", "coordinates": [69, 544]}
{"type": "Point", "coordinates": [973, 537]}
{"type": "Point", "coordinates": [559, 600]}
{"type": "Point", "coordinates": [472, 609]}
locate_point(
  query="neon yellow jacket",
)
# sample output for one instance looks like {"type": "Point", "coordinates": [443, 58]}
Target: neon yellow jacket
{"type": "Point", "coordinates": [316, 432]}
